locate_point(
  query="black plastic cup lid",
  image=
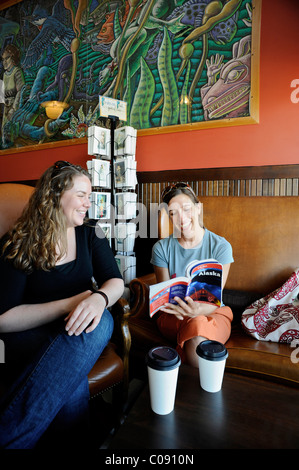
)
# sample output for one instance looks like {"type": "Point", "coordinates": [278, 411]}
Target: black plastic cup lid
{"type": "Point", "coordinates": [163, 358]}
{"type": "Point", "coordinates": [212, 350]}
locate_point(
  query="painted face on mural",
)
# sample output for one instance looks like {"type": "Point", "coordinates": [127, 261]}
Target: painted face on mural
{"type": "Point", "coordinates": [7, 61]}
{"type": "Point", "coordinates": [227, 93]}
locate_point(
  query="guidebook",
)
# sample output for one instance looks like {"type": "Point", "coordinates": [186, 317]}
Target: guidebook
{"type": "Point", "coordinates": [203, 283]}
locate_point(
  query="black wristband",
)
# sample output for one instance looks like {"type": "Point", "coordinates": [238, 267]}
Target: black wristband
{"type": "Point", "coordinates": [103, 295]}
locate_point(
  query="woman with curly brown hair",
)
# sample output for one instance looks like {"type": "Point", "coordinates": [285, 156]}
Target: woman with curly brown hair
{"type": "Point", "coordinates": [53, 322]}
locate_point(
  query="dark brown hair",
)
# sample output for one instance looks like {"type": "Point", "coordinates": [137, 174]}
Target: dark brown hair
{"type": "Point", "coordinates": [178, 188]}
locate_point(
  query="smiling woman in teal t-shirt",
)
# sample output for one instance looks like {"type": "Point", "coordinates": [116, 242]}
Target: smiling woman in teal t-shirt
{"type": "Point", "coordinates": [189, 322]}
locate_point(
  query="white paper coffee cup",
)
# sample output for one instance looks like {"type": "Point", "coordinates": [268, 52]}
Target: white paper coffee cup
{"type": "Point", "coordinates": [212, 357]}
{"type": "Point", "coordinates": [162, 366]}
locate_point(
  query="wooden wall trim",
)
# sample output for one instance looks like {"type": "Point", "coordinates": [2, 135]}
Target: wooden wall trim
{"type": "Point", "coordinates": [278, 180]}
{"type": "Point", "coordinates": [8, 3]}
{"type": "Point", "coordinates": [282, 180]}
{"type": "Point", "coordinates": [208, 174]}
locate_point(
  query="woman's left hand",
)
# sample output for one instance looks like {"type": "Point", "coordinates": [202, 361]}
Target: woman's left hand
{"type": "Point", "coordinates": [88, 313]}
{"type": "Point", "coordinates": [188, 308]}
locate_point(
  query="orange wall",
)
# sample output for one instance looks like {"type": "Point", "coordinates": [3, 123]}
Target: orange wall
{"type": "Point", "coordinates": [274, 141]}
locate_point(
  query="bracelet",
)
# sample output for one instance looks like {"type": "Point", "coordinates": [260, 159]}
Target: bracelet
{"type": "Point", "coordinates": [103, 295]}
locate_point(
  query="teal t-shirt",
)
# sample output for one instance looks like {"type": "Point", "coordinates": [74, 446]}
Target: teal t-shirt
{"type": "Point", "coordinates": [168, 253]}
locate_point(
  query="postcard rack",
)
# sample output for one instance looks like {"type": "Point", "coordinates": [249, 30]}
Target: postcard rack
{"type": "Point", "coordinates": [114, 200]}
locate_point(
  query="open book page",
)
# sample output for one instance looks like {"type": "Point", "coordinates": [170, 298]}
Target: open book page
{"type": "Point", "coordinates": [163, 292]}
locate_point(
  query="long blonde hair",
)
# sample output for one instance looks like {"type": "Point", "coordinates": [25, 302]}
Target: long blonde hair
{"type": "Point", "coordinates": [32, 242]}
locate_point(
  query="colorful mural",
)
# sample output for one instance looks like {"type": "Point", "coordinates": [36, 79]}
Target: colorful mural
{"type": "Point", "coordinates": [172, 61]}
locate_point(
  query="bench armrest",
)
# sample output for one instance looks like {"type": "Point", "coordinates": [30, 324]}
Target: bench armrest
{"type": "Point", "coordinates": [139, 288]}
{"type": "Point", "coordinates": [120, 312]}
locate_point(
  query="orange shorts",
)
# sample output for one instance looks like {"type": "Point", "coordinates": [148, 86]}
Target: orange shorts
{"type": "Point", "coordinates": [216, 326]}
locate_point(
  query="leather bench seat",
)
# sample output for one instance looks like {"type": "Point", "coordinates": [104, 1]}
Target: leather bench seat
{"type": "Point", "coordinates": [265, 359]}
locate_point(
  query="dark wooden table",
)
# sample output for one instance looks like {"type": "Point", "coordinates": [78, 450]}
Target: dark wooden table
{"type": "Point", "coordinates": [247, 413]}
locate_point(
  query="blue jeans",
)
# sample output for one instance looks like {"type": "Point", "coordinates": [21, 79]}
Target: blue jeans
{"type": "Point", "coordinates": [53, 387]}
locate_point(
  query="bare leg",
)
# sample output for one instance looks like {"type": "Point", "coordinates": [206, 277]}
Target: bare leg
{"type": "Point", "coordinates": [190, 350]}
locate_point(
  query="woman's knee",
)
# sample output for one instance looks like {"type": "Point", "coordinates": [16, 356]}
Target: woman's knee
{"type": "Point", "coordinates": [190, 350]}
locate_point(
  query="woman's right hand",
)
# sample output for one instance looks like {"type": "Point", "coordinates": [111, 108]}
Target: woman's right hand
{"type": "Point", "coordinates": [188, 308]}
{"type": "Point", "coordinates": [72, 302]}
{"type": "Point", "coordinates": [86, 315]}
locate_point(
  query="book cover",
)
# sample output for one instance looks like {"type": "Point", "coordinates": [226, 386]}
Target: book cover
{"type": "Point", "coordinates": [203, 283]}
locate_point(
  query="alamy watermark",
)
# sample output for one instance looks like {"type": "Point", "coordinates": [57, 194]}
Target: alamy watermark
{"type": "Point", "coordinates": [295, 353]}
{"type": "Point", "coordinates": [295, 92]}
{"type": "Point", "coordinates": [147, 222]}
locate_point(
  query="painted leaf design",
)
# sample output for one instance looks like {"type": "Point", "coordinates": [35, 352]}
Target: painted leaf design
{"type": "Point", "coordinates": [73, 122]}
{"type": "Point", "coordinates": [170, 113]}
{"type": "Point", "coordinates": [127, 95]}
{"type": "Point", "coordinates": [140, 114]}
{"type": "Point", "coordinates": [116, 24]}
{"type": "Point", "coordinates": [81, 114]}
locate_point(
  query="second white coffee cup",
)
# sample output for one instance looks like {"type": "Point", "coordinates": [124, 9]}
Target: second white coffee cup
{"type": "Point", "coordinates": [212, 357]}
{"type": "Point", "coordinates": [162, 366]}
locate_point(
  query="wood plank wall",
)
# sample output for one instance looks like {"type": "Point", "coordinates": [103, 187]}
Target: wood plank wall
{"type": "Point", "coordinates": [282, 180]}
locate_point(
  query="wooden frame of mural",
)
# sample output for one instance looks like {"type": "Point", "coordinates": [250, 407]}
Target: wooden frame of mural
{"type": "Point", "coordinates": [180, 65]}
